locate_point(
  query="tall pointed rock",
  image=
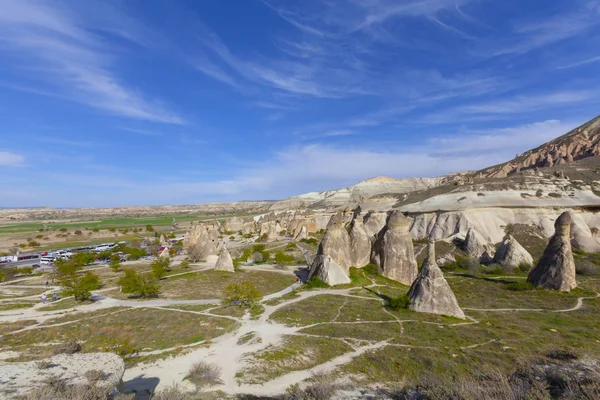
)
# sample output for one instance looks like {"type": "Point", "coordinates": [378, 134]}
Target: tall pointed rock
{"type": "Point", "coordinates": [393, 250]}
{"type": "Point", "coordinates": [224, 262]}
{"type": "Point", "coordinates": [556, 268]}
{"type": "Point", "coordinates": [430, 292]}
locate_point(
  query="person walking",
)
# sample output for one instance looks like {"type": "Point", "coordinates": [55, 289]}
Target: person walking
{"type": "Point", "coordinates": [53, 296]}
{"type": "Point", "coordinates": [46, 283]}
{"type": "Point", "coordinates": [44, 298]}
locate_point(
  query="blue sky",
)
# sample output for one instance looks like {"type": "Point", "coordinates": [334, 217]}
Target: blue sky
{"type": "Point", "coordinates": [178, 102]}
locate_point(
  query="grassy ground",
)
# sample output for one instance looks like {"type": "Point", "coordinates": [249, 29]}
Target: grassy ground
{"type": "Point", "coordinates": [294, 354]}
{"type": "Point", "coordinates": [128, 331]}
{"type": "Point", "coordinates": [15, 306]}
{"type": "Point", "coordinates": [62, 304]}
{"type": "Point", "coordinates": [210, 284]}
{"type": "Point", "coordinates": [8, 327]}
{"type": "Point", "coordinates": [7, 292]}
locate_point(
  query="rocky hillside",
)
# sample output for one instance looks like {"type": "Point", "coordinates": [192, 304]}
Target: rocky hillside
{"type": "Point", "coordinates": [581, 142]}
{"type": "Point", "coordinates": [371, 191]}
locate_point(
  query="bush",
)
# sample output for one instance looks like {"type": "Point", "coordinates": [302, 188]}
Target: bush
{"type": "Point", "coordinates": [520, 286]}
{"type": "Point", "coordinates": [523, 268]}
{"type": "Point", "coordinates": [83, 258]}
{"type": "Point", "coordinates": [494, 269]}
{"type": "Point", "coordinates": [160, 267]}
{"type": "Point", "coordinates": [115, 262]}
{"type": "Point", "coordinates": [204, 374]}
{"type": "Point", "coordinates": [78, 232]}
{"type": "Point", "coordinates": [290, 246]}
{"type": "Point", "coordinates": [80, 287]}
{"type": "Point", "coordinates": [243, 294]}
{"type": "Point", "coordinates": [70, 347]}
{"type": "Point", "coordinates": [283, 259]}
{"type": "Point", "coordinates": [310, 241]}
{"type": "Point", "coordinates": [33, 243]}
{"type": "Point", "coordinates": [95, 230]}
{"type": "Point", "coordinates": [149, 228]}
{"type": "Point", "coordinates": [185, 263]}
{"type": "Point", "coordinates": [315, 283]}
{"type": "Point", "coordinates": [143, 285]}
{"type": "Point", "coordinates": [396, 303]}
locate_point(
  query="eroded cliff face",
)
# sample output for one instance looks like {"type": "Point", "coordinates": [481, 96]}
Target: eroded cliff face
{"type": "Point", "coordinates": [582, 142]}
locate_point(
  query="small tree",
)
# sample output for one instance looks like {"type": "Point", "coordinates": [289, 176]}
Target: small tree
{"type": "Point", "coordinates": [185, 263]}
{"type": "Point", "coordinates": [115, 262]}
{"type": "Point", "coordinates": [243, 294]}
{"type": "Point", "coordinates": [143, 285]}
{"type": "Point", "coordinates": [283, 259]}
{"type": "Point", "coordinates": [160, 267]}
{"type": "Point", "coordinates": [80, 287]}
{"type": "Point", "coordinates": [84, 258]}
{"type": "Point", "coordinates": [149, 228]}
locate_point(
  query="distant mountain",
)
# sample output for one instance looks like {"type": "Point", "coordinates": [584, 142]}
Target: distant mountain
{"type": "Point", "coordinates": [369, 191]}
{"type": "Point", "coordinates": [542, 169]}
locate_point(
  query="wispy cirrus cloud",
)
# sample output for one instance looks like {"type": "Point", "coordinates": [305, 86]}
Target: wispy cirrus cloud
{"type": "Point", "coordinates": [72, 60]}
{"type": "Point", "coordinates": [9, 159]}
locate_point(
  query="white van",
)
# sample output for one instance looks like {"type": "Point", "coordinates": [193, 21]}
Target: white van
{"type": "Point", "coordinates": [47, 260]}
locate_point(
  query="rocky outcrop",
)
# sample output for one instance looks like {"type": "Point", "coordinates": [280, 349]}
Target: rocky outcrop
{"type": "Point", "coordinates": [248, 228]}
{"type": "Point", "coordinates": [165, 253]}
{"type": "Point", "coordinates": [374, 222]}
{"type": "Point", "coordinates": [556, 268]}
{"type": "Point", "coordinates": [430, 292]}
{"type": "Point", "coordinates": [510, 254]}
{"type": "Point", "coordinates": [360, 243]}
{"type": "Point", "coordinates": [18, 379]}
{"type": "Point", "coordinates": [270, 230]}
{"type": "Point", "coordinates": [336, 242]}
{"type": "Point", "coordinates": [477, 247]}
{"type": "Point", "coordinates": [233, 224]}
{"type": "Point", "coordinates": [327, 270]}
{"type": "Point", "coordinates": [201, 241]}
{"type": "Point", "coordinates": [393, 250]}
{"type": "Point", "coordinates": [163, 240]}
{"type": "Point", "coordinates": [224, 262]}
{"type": "Point", "coordinates": [581, 142]}
{"type": "Point", "coordinates": [303, 234]}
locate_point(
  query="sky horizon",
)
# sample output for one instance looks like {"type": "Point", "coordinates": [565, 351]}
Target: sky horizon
{"type": "Point", "coordinates": [122, 103]}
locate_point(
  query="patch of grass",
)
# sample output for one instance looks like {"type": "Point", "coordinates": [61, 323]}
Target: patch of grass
{"type": "Point", "coordinates": [520, 286]}
{"type": "Point", "coordinates": [191, 307]}
{"type": "Point", "coordinates": [15, 306]}
{"type": "Point", "coordinates": [314, 283]}
{"type": "Point", "coordinates": [294, 354]}
{"type": "Point", "coordinates": [142, 328]}
{"type": "Point", "coordinates": [212, 284]}
{"type": "Point", "coordinates": [8, 327]}
{"type": "Point", "coordinates": [64, 304]}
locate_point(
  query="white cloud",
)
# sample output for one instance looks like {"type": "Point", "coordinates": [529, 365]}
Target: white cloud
{"type": "Point", "coordinates": [72, 59]}
{"type": "Point", "coordinates": [8, 159]}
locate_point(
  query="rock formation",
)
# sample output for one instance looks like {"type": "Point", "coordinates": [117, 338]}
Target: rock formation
{"type": "Point", "coordinates": [556, 268]}
{"type": "Point", "coordinates": [327, 270]}
{"type": "Point", "coordinates": [163, 240]}
{"type": "Point", "coordinates": [248, 228]}
{"type": "Point", "coordinates": [303, 234]}
{"type": "Point", "coordinates": [270, 230]}
{"type": "Point", "coordinates": [233, 224]}
{"type": "Point", "coordinates": [224, 262]}
{"type": "Point", "coordinates": [201, 241]}
{"type": "Point", "coordinates": [336, 242]}
{"type": "Point", "coordinates": [393, 250]}
{"type": "Point", "coordinates": [360, 243]}
{"type": "Point", "coordinates": [430, 292]}
{"type": "Point", "coordinates": [18, 378]}
{"type": "Point", "coordinates": [511, 254]}
{"type": "Point", "coordinates": [477, 247]}
{"type": "Point", "coordinates": [165, 253]}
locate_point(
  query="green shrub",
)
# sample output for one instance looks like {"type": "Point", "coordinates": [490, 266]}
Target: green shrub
{"type": "Point", "coordinates": [143, 285]}
{"type": "Point", "coordinates": [80, 287]}
{"type": "Point", "coordinates": [494, 269]}
{"type": "Point", "coordinates": [520, 286]}
{"type": "Point", "coordinates": [283, 259]}
{"type": "Point", "coordinates": [160, 267]}
{"type": "Point", "coordinates": [185, 263]}
{"type": "Point", "coordinates": [149, 228]}
{"type": "Point", "coordinates": [523, 268]}
{"type": "Point", "coordinates": [290, 246]}
{"type": "Point", "coordinates": [243, 294]}
{"type": "Point", "coordinates": [315, 283]}
{"type": "Point", "coordinates": [396, 303]}
{"type": "Point", "coordinates": [310, 241]}
{"type": "Point", "coordinates": [115, 262]}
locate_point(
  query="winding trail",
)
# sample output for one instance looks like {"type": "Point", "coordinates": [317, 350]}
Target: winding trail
{"type": "Point", "coordinates": [231, 351]}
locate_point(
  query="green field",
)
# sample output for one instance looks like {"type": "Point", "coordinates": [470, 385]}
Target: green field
{"type": "Point", "coordinates": [105, 223]}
